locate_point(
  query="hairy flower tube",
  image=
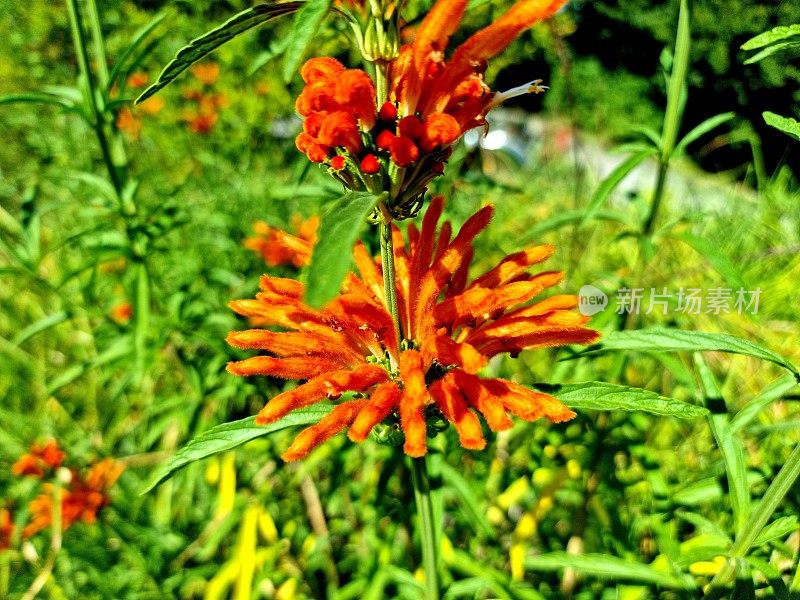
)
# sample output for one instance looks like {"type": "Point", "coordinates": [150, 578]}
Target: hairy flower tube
{"type": "Point", "coordinates": [400, 141]}
{"type": "Point", "coordinates": [449, 328]}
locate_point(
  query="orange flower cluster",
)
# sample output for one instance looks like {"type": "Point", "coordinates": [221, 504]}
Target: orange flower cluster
{"type": "Point", "coordinates": [41, 459]}
{"type": "Point", "coordinates": [431, 102]}
{"type": "Point", "coordinates": [202, 114]}
{"type": "Point", "coordinates": [80, 501]}
{"type": "Point", "coordinates": [278, 247]}
{"type": "Point", "coordinates": [6, 529]}
{"type": "Point", "coordinates": [450, 328]}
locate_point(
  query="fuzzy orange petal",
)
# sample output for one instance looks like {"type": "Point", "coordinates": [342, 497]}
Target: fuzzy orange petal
{"type": "Point", "coordinates": [385, 397]}
{"type": "Point", "coordinates": [453, 406]}
{"type": "Point", "coordinates": [370, 274]}
{"type": "Point", "coordinates": [329, 385]}
{"type": "Point", "coordinates": [484, 402]}
{"type": "Point", "coordinates": [515, 335]}
{"type": "Point", "coordinates": [512, 265]}
{"type": "Point", "coordinates": [331, 424]}
{"type": "Point", "coordinates": [295, 344]}
{"type": "Point", "coordinates": [528, 404]}
{"type": "Point", "coordinates": [293, 367]}
{"type": "Point", "coordinates": [447, 351]}
{"type": "Point", "coordinates": [443, 269]}
{"type": "Point", "coordinates": [412, 403]}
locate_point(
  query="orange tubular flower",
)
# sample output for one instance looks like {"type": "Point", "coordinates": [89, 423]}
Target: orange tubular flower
{"type": "Point", "coordinates": [6, 529]}
{"type": "Point", "coordinates": [450, 329]}
{"type": "Point", "coordinates": [39, 460]}
{"type": "Point", "coordinates": [280, 248]}
{"type": "Point", "coordinates": [80, 502]}
{"type": "Point", "coordinates": [422, 83]}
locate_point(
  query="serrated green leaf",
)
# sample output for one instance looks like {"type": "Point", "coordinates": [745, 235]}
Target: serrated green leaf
{"type": "Point", "coordinates": [603, 566]}
{"type": "Point", "coordinates": [787, 125]}
{"type": "Point", "coordinates": [304, 27]}
{"type": "Point", "coordinates": [340, 224]}
{"type": "Point", "coordinates": [659, 339]}
{"type": "Point", "coordinates": [777, 34]}
{"type": "Point", "coordinates": [202, 46]}
{"type": "Point", "coordinates": [598, 395]}
{"type": "Point", "coordinates": [231, 435]}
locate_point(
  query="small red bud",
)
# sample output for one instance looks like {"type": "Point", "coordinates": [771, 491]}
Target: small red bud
{"type": "Point", "coordinates": [338, 162]}
{"type": "Point", "coordinates": [385, 139]}
{"type": "Point", "coordinates": [410, 127]}
{"type": "Point", "coordinates": [388, 112]}
{"type": "Point", "coordinates": [370, 164]}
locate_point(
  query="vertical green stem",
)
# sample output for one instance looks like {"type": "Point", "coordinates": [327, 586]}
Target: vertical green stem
{"type": "Point", "coordinates": [387, 261]}
{"type": "Point", "coordinates": [114, 159]}
{"type": "Point", "coordinates": [661, 180]}
{"type": "Point", "coordinates": [422, 497]}
{"type": "Point", "coordinates": [97, 41]}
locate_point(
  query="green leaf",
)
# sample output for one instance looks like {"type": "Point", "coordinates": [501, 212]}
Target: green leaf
{"type": "Point", "coordinates": [35, 98]}
{"type": "Point", "coordinates": [779, 528]}
{"type": "Point", "coordinates": [562, 219]}
{"type": "Point", "coordinates": [785, 124]}
{"type": "Point", "coordinates": [721, 263]}
{"type": "Point", "coordinates": [677, 84]}
{"type": "Point", "coordinates": [598, 395]}
{"type": "Point", "coordinates": [603, 566]}
{"type": "Point", "coordinates": [770, 50]}
{"type": "Point", "coordinates": [613, 179]}
{"type": "Point", "coordinates": [340, 224]}
{"type": "Point", "coordinates": [304, 28]}
{"type": "Point", "coordinates": [730, 446]}
{"type": "Point", "coordinates": [210, 41]}
{"type": "Point", "coordinates": [777, 34]}
{"type": "Point", "coordinates": [774, 391]}
{"type": "Point", "coordinates": [118, 73]}
{"type": "Point", "coordinates": [230, 435]}
{"type": "Point", "coordinates": [40, 325]}
{"type": "Point", "coordinates": [660, 339]}
{"type": "Point", "coordinates": [703, 128]}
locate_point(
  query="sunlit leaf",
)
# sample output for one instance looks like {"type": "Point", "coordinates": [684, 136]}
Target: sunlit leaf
{"type": "Point", "coordinates": [787, 125]}
{"type": "Point", "coordinates": [230, 435]}
{"type": "Point", "coordinates": [598, 395]}
{"type": "Point", "coordinates": [201, 47]}
{"type": "Point", "coordinates": [613, 179]}
{"type": "Point", "coordinates": [304, 27]}
{"type": "Point", "coordinates": [340, 224]}
{"type": "Point", "coordinates": [777, 34]}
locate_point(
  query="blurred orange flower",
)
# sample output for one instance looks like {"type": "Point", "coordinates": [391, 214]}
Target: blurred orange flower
{"type": "Point", "coordinates": [449, 330]}
{"type": "Point", "coordinates": [81, 501]}
{"type": "Point", "coordinates": [129, 123]}
{"type": "Point", "coordinates": [278, 247]}
{"type": "Point", "coordinates": [206, 73]}
{"type": "Point", "coordinates": [138, 79]}
{"type": "Point", "coordinates": [122, 312]}
{"type": "Point", "coordinates": [39, 460]}
{"type": "Point", "coordinates": [6, 529]}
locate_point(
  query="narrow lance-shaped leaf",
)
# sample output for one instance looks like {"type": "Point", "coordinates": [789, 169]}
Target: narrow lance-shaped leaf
{"type": "Point", "coordinates": [210, 41]}
{"type": "Point", "coordinates": [304, 27]}
{"type": "Point", "coordinates": [230, 435]}
{"type": "Point", "coordinates": [659, 339]}
{"type": "Point", "coordinates": [721, 263]}
{"type": "Point", "coordinates": [598, 395]}
{"type": "Point", "coordinates": [340, 224]}
{"type": "Point", "coordinates": [703, 128]}
{"type": "Point", "coordinates": [774, 49]}
{"type": "Point", "coordinates": [118, 72]}
{"type": "Point", "coordinates": [677, 84]}
{"type": "Point", "coordinates": [777, 34]}
{"type": "Point", "coordinates": [767, 396]}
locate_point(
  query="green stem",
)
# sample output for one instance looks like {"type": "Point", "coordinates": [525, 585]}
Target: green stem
{"type": "Point", "coordinates": [114, 159]}
{"type": "Point", "coordinates": [661, 180]}
{"type": "Point", "coordinates": [422, 497]}
{"type": "Point", "coordinates": [381, 82]}
{"type": "Point", "coordinates": [387, 260]}
{"type": "Point", "coordinates": [97, 40]}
